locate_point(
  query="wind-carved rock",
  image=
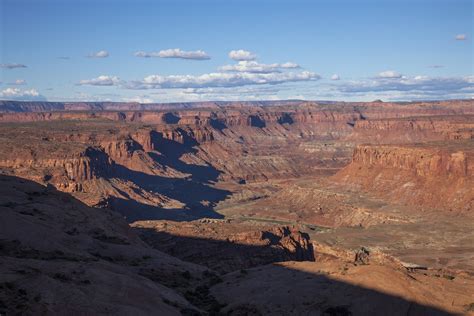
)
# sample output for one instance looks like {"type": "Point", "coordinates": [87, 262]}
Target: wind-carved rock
{"type": "Point", "coordinates": [295, 243]}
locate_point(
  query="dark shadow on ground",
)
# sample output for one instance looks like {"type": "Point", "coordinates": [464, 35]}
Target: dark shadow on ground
{"type": "Point", "coordinates": [285, 119]}
{"type": "Point", "coordinates": [136, 211]}
{"type": "Point", "coordinates": [171, 118]}
{"type": "Point", "coordinates": [195, 191]}
{"type": "Point", "coordinates": [171, 151]}
{"type": "Point", "coordinates": [257, 121]}
{"type": "Point", "coordinates": [218, 124]}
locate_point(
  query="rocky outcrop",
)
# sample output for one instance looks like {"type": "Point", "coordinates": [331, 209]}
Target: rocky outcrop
{"type": "Point", "coordinates": [295, 243]}
{"type": "Point", "coordinates": [438, 175]}
{"type": "Point", "coordinates": [423, 161]}
{"type": "Point", "coordinates": [66, 173]}
{"type": "Point", "coordinates": [231, 245]}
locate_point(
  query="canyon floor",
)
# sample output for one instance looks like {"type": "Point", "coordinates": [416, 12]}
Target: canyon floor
{"type": "Point", "coordinates": [297, 208]}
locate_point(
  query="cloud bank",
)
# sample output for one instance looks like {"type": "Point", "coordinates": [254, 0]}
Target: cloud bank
{"type": "Point", "coordinates": [219, 79]}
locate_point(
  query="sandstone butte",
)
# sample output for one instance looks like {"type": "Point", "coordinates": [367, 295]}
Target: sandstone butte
{"type": "Point", "coordinates": [237, 208]}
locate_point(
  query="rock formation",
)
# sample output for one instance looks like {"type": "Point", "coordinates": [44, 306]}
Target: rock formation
{"type": "Point", "coordinates": [231, 245]}
{"type": "Point", "coordinates": [438, 175]}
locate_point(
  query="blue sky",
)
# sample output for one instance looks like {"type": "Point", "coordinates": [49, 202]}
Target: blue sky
{"type": "Point", "coordinates": [166, 51]}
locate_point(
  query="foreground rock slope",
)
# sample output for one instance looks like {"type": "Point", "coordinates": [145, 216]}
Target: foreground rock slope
{"type": "Point", "coordinates": [59, 256]}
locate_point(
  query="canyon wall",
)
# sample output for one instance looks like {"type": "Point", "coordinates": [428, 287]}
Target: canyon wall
{"type": "Point", "coordinates": [450, 127]}
{"type": "Point", "coordinates": [438, 175]}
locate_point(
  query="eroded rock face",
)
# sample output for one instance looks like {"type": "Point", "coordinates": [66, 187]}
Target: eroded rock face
{"type": "Point", "coordinates": [419, 129]}
{"type": "Point", "coordinates": [424, 161]}
{"type": "Point", "coordinates": [432, 174]}
{"type": "Point", "coordinates": [100, 160]}
{"type": "Point", "coordinates": [67, 172]}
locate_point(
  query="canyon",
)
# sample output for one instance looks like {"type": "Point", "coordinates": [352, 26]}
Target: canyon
{"type": "Point", "coordinates": [334, 208]}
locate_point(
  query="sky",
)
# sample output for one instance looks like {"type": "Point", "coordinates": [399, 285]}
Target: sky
{"type": "Point", "coordinates": [177, 51]}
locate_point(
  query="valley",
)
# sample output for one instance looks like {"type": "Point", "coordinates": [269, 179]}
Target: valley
{"type": "Point", "coordinates": [221, 196]}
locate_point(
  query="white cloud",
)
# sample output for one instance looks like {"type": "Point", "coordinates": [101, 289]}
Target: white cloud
{"type": "Point", "coordinates": [18, 82]}
{"type": "Point", "coordinates": [12, 66]}
{"type": "Point", "coordinates": [219, 79]}
{"type": "Point", "coordinates": [99, 54]}
{"type": "Point", "coordinates": [241, 54]}
{"type": "Point", "coordinates": [389, 74]}
{"type": "Point", "coordinates": [461, 37]}
{"type": "Point", "coordinates": [19, 94]}
{"type": "Point", "coordinates": [175, 53]}
{"type": "Point", "coordinates": [103, 80]}
{"type": "Point", "coordinates": [255, 67]}
{"type": "Point", "coordinates": [335, 77]}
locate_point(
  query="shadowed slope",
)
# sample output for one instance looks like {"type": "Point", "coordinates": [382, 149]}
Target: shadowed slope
{"type": "Point", "coordinates": [59, 256]}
